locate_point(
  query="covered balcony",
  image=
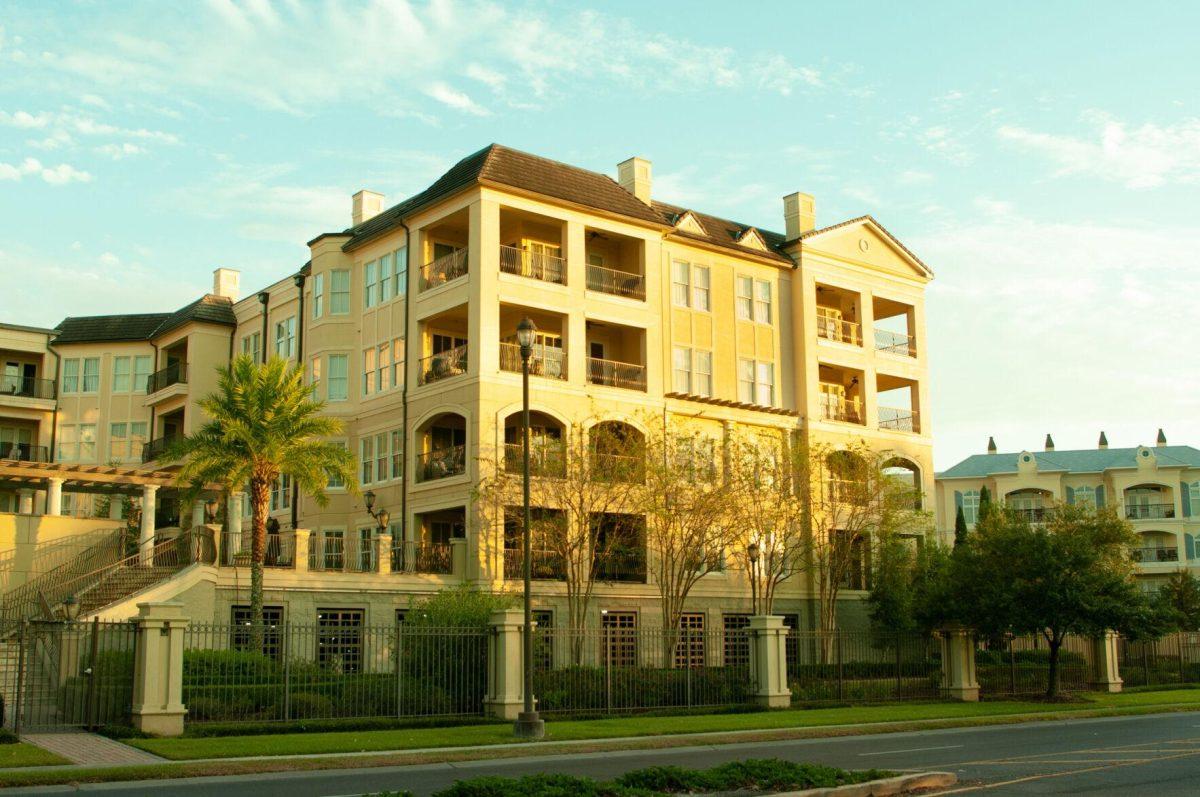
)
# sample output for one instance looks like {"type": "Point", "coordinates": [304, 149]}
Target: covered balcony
{"type": "Point", "coordinates": [547, 446]}
{"type": "Point", "coordinates": [442, 448]}
{"type": "Point", "coordinates": [338, 551]}
{"type": "Point", "coordinates": [432, 549]}
{"type": "Point", "coordinates": [22, 377]}
{"type": "Point", "coordinates": [615, 264]}
{"type": "Point", "coordinates": [444, 346]}
{"type": "Point", "coordinates": [170, 430]}
{"type": "Point", "coordinates": [18, 441]}
{"type": "Point", "coordinates": [906, 475]}
{"type": "Point", "coordinates": [547, 528]}
{"type": "Point", "coordinates": [616, 452]}
{"type": "Point", "coordinates": [174, 370]}
{"type": "Point", "coordinates": [549, 358]}
{"type": "Point", "coordinates": [1030, 504]}
{"type": "Point", "coordinates": [616, 355]}
{"type": "Point", "coordinates": [444, 251]}
{"type": "Point", "coordinates": [840, 394]}
{"type": "Point", "coordinates": [897, 404]}
{"type": "Point", "coordinates": [620, 553]}
{"type": "Point", "coordinates": [838, 316]}
{"type": "Point", "coordinates": [532, 246]}
{"type": "Point", "coordinates": [1156, 547]}
{"type": "Point", "coordinates": [1149, 502]}
{"type": "Point", "coordinates": [894, 325]}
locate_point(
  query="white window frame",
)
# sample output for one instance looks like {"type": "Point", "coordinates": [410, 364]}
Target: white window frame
{"type": "Point", "coordinates": [143, 366]}
{"type": "Point", "coordinates": [385, 277]}
{"type": "Point", "coordinates": [285, 337]}
{"type": "Point", "coordinates": [339, 291]}
{"type": "Point", "coordinates": [318, 295]}
{"type": "Point", "coordinates": [681, 291]}
{"type": "Point", "coordinates": [93, 377]}
{"type": "Point", "coordinates": [681, 369]}
{"type": "Point", "coordinates": [70, 375]}
{"type": "Point", "coordinates": [368, 379]}
{"type": "Point", "coordinates": [744, 290]}
{"type": "Point", "coordinates": [337, 385]}
{"type": "Point", "coordinates": [764, 311]}
{"type": "Point", "coordinates": [87, 437]}
{"type": "Point", "coordinates": [400, 269]}
{"type": "Point", "coordinates": [970, 506]}
{"type": "Point", "coordinates": [702, 372]}
{"type": "Point", "coordinates": [122, 374]}
{"type": "Point", "coordinates": [369, 280]}
{"type": "Point", "coordinates": [701, 288]}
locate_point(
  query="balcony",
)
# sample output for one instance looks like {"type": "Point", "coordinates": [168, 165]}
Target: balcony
{"type": "Point", "coordinates": [173, 374]}
{"type": "Point", "coordinates": [612, 373]}
{"type": "Point", "coordinates": [158, 447]}
{"type": "Point", "coordinates": [1033, 514]}
{"type": "Point", "coordinates": [546, 361]}
{"type": "Point", "coordinates": [422, 557]}
{"type": "Point", "coordinates": [340, 554]}
{"type": "Point", "coordinates": [442, 463]}
{"type": "Point", "coordinates": [837, 330]}
{"type": "Point", "coordinates": [444, 269]}
{"type": "Point", "coordinates": [895, 343]}
{"type": "Point", "coordinates": [627, 565]}
{"type": "Point", "coordinates": [534, 265]}
{"type": "Point", "coordinates": [443, 365]}
{"type": "Point", "coordinates": [616, 283]}
{"type": "Point", "coordinates": [24, 452]}
{"type": "Point", "coordinates": [837, 408]}
{"type": "Point", "coordinates": [545, 461]}
{"type": "Point", "coordinates": [27, 387]}
{"type": "Point", "coordinates": [1150, 511]}
{"type": "Point", "coordinates": [543, 565]}
{"type": "Point", "coordinates": [1152, 555]}
{"type": "Point", "coordinates": [899, 420]}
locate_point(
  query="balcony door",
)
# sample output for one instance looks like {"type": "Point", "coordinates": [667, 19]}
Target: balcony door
{"type": "Point", "coordinates": [15, 440]}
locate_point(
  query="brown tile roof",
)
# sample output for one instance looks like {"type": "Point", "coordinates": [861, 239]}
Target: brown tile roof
{"type": "Point", "coordinates": [144, 326]}
{"type": "Point", "coordinates": [724, 233]}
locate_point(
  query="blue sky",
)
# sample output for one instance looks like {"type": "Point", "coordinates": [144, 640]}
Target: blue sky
{"type": "Point", "coordinates": [1043, 158]}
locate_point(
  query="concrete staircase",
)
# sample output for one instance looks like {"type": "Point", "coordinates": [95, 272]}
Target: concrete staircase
{"type": "Point", "coordinates": [122, 583]}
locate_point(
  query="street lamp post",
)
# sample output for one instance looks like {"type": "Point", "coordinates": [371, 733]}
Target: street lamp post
{"type": "Point", "coordinates": [528, 725]}
{"type": "Point", "coordinates": [752, 554]}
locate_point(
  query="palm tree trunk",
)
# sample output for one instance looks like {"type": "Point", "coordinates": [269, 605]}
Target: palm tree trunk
{"type": "Point", "coordinates": [259, 496]}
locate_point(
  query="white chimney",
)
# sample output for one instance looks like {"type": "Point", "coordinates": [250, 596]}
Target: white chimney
{"type": "Point", "coordinates": [367, 204]}
{"type": "Point", "coordinates": [799, 214]}
{"type": "Point", "coordinates": [227, 282]}
{"type": "Point", "coordinates": [634, 175]}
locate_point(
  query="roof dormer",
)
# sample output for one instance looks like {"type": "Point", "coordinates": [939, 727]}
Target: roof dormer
{"type": "Point", "coordinates": [752, 239]}
{"type": "Point", "coordinates": [687, 222]}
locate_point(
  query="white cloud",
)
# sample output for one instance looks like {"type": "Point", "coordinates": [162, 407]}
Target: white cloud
{"type": "Point", "coordinates": [119, 151]}
{"type": "Point", "coordinates": [944, 142]}
{"type": "Point", "coordinates": [61, 174]}
{"type": "Point", "coordinates": [863, 194]}
{"type": "Point", "coordinates": [1143, 157]}
{"type": "Point", "coordinates": [9, 171]}
{"type": "Point", "coordinates": [454, 98]}
{"type": "Point", "coordinates": [913, 177]}
{"type": "Point", "coordinates": [24, 120]}
{"type": "Point", "coordinates": [108, 259]}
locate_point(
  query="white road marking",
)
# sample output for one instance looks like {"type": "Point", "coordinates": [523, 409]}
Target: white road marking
{"type": "Point", "coordinates": [914, 750]}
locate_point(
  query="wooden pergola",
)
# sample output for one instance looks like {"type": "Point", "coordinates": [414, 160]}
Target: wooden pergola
{"type": "Point", "coordinates": [104, 479]}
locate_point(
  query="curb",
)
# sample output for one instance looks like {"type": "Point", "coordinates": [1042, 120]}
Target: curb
{"type": "Point", "coordinates": [881, 788]}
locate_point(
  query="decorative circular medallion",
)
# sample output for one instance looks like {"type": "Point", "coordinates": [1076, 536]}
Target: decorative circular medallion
{"type": "Point", "coordinates": [863, 244]}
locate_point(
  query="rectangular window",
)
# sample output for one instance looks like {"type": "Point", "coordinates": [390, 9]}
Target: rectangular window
{"type": "Point", "coordinates": [314, 377]}
{"type": "Point", "coordinates": [252, 345]}
{"type": "Point", "coordinates": [281, 493]}
{"type": "Point", "coordinates": [620, 636]}
{"type": "Point", "coordinates": [700, 288]}
{"type": "Point", "coordinates": [383, 368]}
{"type": "Point", "coordinates": [369, 284]}
{"type": "Point", "coordinates": [745, 298]}
{"type": "Point", "coordinates": [690, 650]}
{"type": "Point", "coordinates": [381, 456]}
{"type": "Point", "coordinates": [970, 506]}
{"type": "Point", "coordinates": [339, 292]}
{"type": "Point", "coordinates": [67, 443]}
{"type": "Point", "coordinates": [398, 362]}
{"type": "Point", "coordinates": [141, 371]}
{"type": "Point", "coordinates": [91, 374]}
{"type": "Point", "coordinates": [368, 382]}
{"type": "Point", "coordinates": [241, 636]}
{"type": "Point", "coordinates": [397, 453]}
{"type": "Point", "coordinates": [682, 369]}
{"type": "Point", "coordinates": [118, 441]}
{"type": "Point", "coordinates": [87, 442]}
{"type": "Point", "coordinates": [745, 375]}
{"type": "Point", "coordinates": [765, 384]}
{"type": "Point", "coordinates": [762, 301]}
{"type": "Point", "coordinates": [400, 258]}
{"type": "Point", "coordinates": [366, 458]}
{"type": "Point", "coordinates": [680, 283]}
{"type": "Point", "coordinates": [318, 295]}
{"type": "Point", "coordinates": [385, 278]}
{"type": "Point", "coordinates": [137, 439]}
{"type": "Point", "coordinates": [120, 375]}
{"type": "Point", "coordinates": [737, 640]}
{"type": "Point", "coordinates": [702, 384]}
{"type": "Point", "coordinates": [285, 337]}
{"type": "Point", "coordinates": [337, 384]}
{"type": "Point", "coordinates": [336, 483]}
{"type": "Point", "coordinates": [339, 639]}
{"type": "Point", "coordinates": [70, 376]}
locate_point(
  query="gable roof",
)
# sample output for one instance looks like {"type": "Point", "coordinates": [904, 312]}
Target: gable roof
{"type": "Point", "coordinates": [144, 326]}
{"type": "Point", "coordinates": [874, 223]}
{"type": "Point", "coordinates": [1095, 460]}
{"type": "Point", "coordinates": [724, 233]}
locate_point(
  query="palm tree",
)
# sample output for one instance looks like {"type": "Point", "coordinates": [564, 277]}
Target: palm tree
{"type": "Point", "coordinates": [263, 424]}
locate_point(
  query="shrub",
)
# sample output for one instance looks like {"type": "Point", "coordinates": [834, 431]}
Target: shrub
{"type": "Point", "coordinates": [8, 737]}
{"type": "Point", "coordinates": [457, 607]}
{"type": "Point", "coordinates": [228, 666]}
{"type": "Point", "coordinates": [306, 705]}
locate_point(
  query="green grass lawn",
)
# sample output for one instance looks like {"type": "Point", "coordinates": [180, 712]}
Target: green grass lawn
{"type": "Point", "coordinates": [27, 755]}
{"type": "Point", "coordinates": [183, 749]}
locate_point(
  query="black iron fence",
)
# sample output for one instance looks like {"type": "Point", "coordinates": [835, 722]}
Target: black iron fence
{"type": "Point", "coordinates": [173, 374]}
{"type": "Point", "coordinates": [1021, 665]}
{"type": "Point", "coordinates": [1174, 659]}
{"type": "Point", "coordinates": [862, 667]}
{"type": "Point", "coordinates": [27, 387]}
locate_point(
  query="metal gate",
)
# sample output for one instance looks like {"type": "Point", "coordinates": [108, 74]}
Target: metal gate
{"type": "Point", "coordinates": [56, 675]}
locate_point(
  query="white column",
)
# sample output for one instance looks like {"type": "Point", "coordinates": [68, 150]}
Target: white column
{"type": "Point", "coordinates": [233, 526]}
{"type": "Point", "coordinates": [54, 496]}
{"type": "Point", "coordinates": [768, 661]}
{"type": "Point", "coordinates": [146, 535]}
{"type": "Point", "coordinates": [25, 502]}
{"type": "Point", "coordinates": [198, 513]}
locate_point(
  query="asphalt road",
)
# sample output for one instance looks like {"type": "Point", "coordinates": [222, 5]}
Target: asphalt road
{"type": "Point", "coordinates": [1154, 754]}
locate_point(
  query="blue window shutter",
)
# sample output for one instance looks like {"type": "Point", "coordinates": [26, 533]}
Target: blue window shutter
{"type": "Point", "coordinates": [1100, 497]}
{"type": "Point", "coordinates": [1189, 542]}
{"type": "Point", "coordinates": [957, 500]}
{"type": "Point", "coordinates": [1185, 494]}
{"type": "Point", "coordinates": [1070, 495]}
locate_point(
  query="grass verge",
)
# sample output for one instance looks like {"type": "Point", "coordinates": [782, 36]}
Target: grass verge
{"type": "Point", "coordinates": [27, 755]}
{"type": "Point", "coordinates": [189, 749]}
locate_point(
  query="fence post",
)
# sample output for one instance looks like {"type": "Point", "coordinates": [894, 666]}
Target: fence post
{"type": "Point", "coordinates": [608, 669]}
{"type": "Point", "coordinates": [841, 669]}
{"type": "Point", "coordinates": [768, 661]}
{"type": "Point", "coordinates": [90, 708]}
{"type": "Point", "coordinates": [158, 672]}
{"type": "Point", "coordinates": [1106, 674]}
{"type": "Point", "coordinates": [303, 538]}
{"type": "Point", "coordinates": [505, 699]}
{"type": "Point", "coordinates": [958, 664]}
{"type": "Point", "coordinates": [899, 669]}
{"type": "Point", "coordinates": [286, 653]}
{"type": "Point", "coordinates": [21, 632]}
{"type": "Point", "coordinates": [1012, 664]}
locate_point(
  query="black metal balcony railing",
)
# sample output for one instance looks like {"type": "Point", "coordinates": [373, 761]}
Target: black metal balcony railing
{"type": "Point", "coordinates": [446, 268]}
{"type": "Point", "coordinates": [899, 420]}
{"type": "Point", "coordinates": [536, 265]}
{"type": "Point", "coordinates": [24, 452]}
{"type": "Point", "coordinates": [846, 410]}
{"type": "Point", "coordinates": [547, 460]}
{"type": "Point", "coordinates": [422, 557]}
{"type": "Point", "coordinates": [1034, 514]}
{"type": "Point", "coordinates": [616, 374]}
{"type": "Point", "coordinates": [895, 343]}
{"type": "Point", "coordinates": [617, 283]}
{"type": "Point", "coordinates": [173, 374]}
{"type": "Point", "coordinates": [547, 361]}
{"type": "Point", "coordinates": [442, 463]}
{"type": "Point", "coordinates": [626, 565]}
{"type": "Point", "coordinates": [608, 467]}
{"type": "Point", "coordinates": [543, 565]}
{"type": "Point", "coordinates": [1149, 511]}
{"type": "Point", "coordinates": [27, 387]}
{"type": "Point", "coordinates": [443, 365]}
{"type": "Point", "coordinates": [1149, 555]}
{"type": "Point", "coordinates": [158, 447]}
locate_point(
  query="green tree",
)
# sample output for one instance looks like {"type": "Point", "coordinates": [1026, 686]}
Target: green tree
{"type": "Point", "coordinates": [960, 527]}
{"type": "Point", "coordinates": [933, 600]}
{"type": "Point", "coordinates": [1179, 601]}
{"type": "Point", "coordinates": [985, 502]}
{"type": "Point", "coordinates": [263, 423]}
{"type": "Point", "coordinates": [1071, 574]}
{"type": "Point", "coordinates": [890, 600]}
{"type": "Point", "coordinates": [462, 606]}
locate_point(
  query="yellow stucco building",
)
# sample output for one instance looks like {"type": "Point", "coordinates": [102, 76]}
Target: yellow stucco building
{"type": "Point", "coordinates": [407, 320]}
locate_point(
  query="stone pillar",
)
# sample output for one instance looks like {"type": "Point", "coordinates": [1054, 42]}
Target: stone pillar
{"type": "Point", "coordinates": [458, 558]}
{"type": "Point", "coordinates": [303, 538]}
{"type": "Point", "coordinates": [505, 693]}
{"type": "Point", "coordinates": [158, 670]}
{"type": "Point", "coordinates": [958, 664]}
{"type": "Point", "coordinates": [1106, 675]}
{"type": "Point", "coordinates": [116, 507]}
{"type": "Point", "coordinates": [146, 533]}
{"type": "Point", "coordinates": [198, 513]}
{"type": "Point", "coordinates": [768, 661]}
{"type": "Point", "coordinates": [232, 543]}
{"type": "Point", "coordinates": [54, 496]}
{"type": "Point", "coordinates": [384, 551]}
{"type": "Point", "coordinates": [25, 502]}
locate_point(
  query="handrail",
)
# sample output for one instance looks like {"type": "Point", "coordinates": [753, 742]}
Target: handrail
{"type": "Point", "coordinates": [25, 602]}
{"type": "Point", "coordinates": [839, 330]}
{"type": "Point", "coordinates": [547, 361]}
{"type": "Point", "coordinates": [175, 373]}
{"type": "Point", "coordinates": [24, 452]}
{"type": "Point", "coordinates": [444, 269]}
{"type": "Point", "coordinates": [49, 556]}
{"type": "Point", "coordinates": [895, 343]}
{"type": "Point", "coordinates": [157, 447]}
{"type": "Point", "coordinates": [27, 387]}
{"type": "Point", "coordinates": [836, 408]}
{"type": "Point", "coordinates": [616, 374]}
{"type": "Point", "coordinates": [536, 265]}
{"type": "Point", "coordinates": [444, 364]}
{"type": "Point", "coordinates": [616, 282]}
{"type": "Point", "coordinates": [175, 553]}
{"type": "Point", "coordinates": [899, 419]}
